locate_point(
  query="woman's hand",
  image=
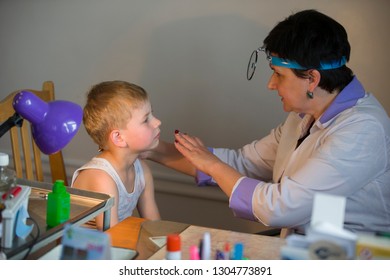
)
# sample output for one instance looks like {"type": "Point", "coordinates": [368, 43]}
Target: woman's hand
{"type": "Point", "coordinates": [202, 159]}
{"type": "Point", "coordinates": [167, 154]}
{"type": "Point", "coordinates": [193, 149]}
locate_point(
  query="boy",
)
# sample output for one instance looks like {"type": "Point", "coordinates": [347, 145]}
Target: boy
{"type": "Point", "coordinates": [118, 117]}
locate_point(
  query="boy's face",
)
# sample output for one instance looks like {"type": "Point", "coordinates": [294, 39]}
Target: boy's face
{"type": "Point", "coordinates": [142, 132]}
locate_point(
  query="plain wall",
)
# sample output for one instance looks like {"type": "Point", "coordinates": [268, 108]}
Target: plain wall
{"type": "Point", "coordinates": [191, 56]}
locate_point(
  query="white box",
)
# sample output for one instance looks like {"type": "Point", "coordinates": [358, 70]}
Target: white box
{"type": "Point", "coordinates": [12, 206]}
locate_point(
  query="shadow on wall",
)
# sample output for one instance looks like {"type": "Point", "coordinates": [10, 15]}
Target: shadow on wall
{"type": "Point", "coordinates": [188, 60]}
{"type": "Point", "coordinates": [200, 66]}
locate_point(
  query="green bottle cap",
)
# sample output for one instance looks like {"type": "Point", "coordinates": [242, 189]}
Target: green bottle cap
{"type": "Point", "coordinates": [59, 186]}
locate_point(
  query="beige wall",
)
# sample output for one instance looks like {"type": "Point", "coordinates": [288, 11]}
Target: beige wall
{"type": "Point", "coordinates": [191, 56]}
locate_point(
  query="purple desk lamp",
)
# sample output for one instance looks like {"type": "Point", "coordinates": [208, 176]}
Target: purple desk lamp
{"type": "Point", "coordinates": [53, 123]}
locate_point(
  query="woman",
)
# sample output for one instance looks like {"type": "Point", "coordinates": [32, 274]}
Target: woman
{"type": "Point", "coordinates": [336, 139]}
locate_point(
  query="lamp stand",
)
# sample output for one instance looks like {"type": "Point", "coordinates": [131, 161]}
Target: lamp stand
{"type": "Point", "coordinates": [14, 120]}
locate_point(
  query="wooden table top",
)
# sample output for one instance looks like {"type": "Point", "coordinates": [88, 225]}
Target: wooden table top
{"type": "Point", "coordinates": [134, 233]}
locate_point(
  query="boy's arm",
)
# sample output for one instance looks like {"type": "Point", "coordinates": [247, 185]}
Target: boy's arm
{"type": "Point", "coordinates": [147, 206]}
{"type": "Point", "coordinates": [99, 181]}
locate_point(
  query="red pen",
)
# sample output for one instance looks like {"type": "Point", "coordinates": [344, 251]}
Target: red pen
{"type": "Point", "coordinates": [12, 192]}
{"type": "Point", "coordinates": [226, 250]}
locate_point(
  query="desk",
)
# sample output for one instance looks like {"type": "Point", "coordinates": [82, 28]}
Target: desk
{"type": "Point", "coordinates": [85, 206]}
{"type": "Point", "coordinates": [133, 233]}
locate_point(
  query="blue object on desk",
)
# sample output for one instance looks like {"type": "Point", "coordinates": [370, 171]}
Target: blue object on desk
{"type": "Point", "coordinates": [238, 253]}
{"type": "Point", "coordinates": [219, 255]}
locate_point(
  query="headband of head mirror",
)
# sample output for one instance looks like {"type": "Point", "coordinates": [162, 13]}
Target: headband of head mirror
{"type": "Point", "coordinates": [277, 61]}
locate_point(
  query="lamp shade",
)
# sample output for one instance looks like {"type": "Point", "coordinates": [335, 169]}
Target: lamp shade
{"type": "Point", "coordinates": [53, 123]}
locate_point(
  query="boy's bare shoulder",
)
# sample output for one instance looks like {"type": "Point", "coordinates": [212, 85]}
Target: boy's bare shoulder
{"type": "Point", "coordinates": [94, 180]}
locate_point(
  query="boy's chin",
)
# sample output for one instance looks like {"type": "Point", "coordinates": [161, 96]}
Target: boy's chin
{"type": "Point", "coordinates": [154, 144]}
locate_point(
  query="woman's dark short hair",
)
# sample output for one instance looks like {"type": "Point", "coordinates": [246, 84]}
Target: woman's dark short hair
{"type": "Point", "coordinates": [309, 38]}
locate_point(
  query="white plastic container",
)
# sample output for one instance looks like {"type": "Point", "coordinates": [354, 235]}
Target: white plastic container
{"type": "Point", "coordinates": [9, 215]}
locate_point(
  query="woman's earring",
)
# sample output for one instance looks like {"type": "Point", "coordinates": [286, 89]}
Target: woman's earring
{"type": "Point", "coordinates": [310, 94]}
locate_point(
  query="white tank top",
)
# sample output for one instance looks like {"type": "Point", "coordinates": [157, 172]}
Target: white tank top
{"type": "Point", "coordinates": [127, 201]}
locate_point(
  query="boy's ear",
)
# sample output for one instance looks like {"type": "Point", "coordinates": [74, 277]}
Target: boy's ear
{"type": "Point", "coordinates": [116, 138]}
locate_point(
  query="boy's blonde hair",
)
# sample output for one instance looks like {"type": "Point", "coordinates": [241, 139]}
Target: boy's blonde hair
{"type": "Point", "coordinates": [109, 105]}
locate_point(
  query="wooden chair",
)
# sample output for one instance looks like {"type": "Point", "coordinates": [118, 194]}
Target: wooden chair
{"type": "Point", "coordinates": [29, 164]}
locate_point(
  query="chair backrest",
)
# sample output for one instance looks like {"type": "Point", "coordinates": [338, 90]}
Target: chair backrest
{"type": "Point", "coordinates": [29, 164]}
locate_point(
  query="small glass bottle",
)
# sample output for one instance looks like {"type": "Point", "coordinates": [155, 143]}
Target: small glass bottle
{"type": "Point", "coordinates": [7, 175]}
{"type": "Point", "coordinates": [58, 205]}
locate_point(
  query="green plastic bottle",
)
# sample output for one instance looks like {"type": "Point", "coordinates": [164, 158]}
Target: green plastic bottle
{"type": "Point", "coordinates": [58, 205]}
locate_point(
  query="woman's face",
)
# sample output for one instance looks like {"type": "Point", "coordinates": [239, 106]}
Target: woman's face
{"type": "Point", "coordinates": [291, 89]}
